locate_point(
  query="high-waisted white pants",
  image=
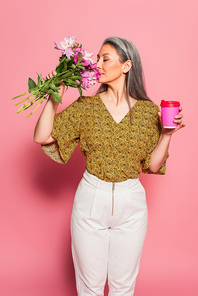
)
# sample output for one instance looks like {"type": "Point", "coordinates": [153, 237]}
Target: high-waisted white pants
{"type": "Point", "coordinates": [108, 229]}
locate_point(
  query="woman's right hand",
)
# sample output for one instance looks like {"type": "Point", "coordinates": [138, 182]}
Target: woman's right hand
{"type": "Point", "coordinates": [62, 86]}
{"type": "Point", "coordinates": [44, 126]}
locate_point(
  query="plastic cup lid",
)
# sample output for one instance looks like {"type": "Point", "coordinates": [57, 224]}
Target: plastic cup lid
{"type": "Point", "coordinates": [169, 103]}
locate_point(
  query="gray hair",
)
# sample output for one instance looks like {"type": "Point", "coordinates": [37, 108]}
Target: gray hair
{"type": "Point", "coordinates": [135, 84]}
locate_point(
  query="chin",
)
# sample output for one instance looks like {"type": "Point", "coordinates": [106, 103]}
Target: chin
{"type": "Point", "coordinates": [102, 80]}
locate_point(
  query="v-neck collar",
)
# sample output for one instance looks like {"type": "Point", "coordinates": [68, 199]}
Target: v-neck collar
{"type": "Point", "coordinates": [107, 110]}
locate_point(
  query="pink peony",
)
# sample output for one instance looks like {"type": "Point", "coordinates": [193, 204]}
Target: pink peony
{"type": "Point", "coordinates": [89, 78]}
{"type": "Point", "coordinates": [86, 60]}
{"type": "Point", "coordinates": [66, 45]}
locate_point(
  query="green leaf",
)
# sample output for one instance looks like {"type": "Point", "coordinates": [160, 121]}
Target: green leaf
{"type": "Point", "coordinates": [45, 88]}
{"type": "Point", "coordinates": [81, 67]}
{"type": "Point", "coordinates": [61, 58]}
{"type": "Point", "coordinates": [64, 66]}
{"type": "Point", "coordinates": [53, 86]}
{"type": "Point", "coordinates": [80, 91]}
{"type": "Point", "coordinates": [77, 73]}
{"type": "Point", "coordinates": [70, 85]}
{"type": "Point", "coordinates": [57, 81]}
{"type": "Point", "coordinates": [42, 82]}
{"type": "Point", "coordinates": [70, 62]}
{"type": "Point", "coordinates": [64, 81]}
{"type": "Point", "coordinates": [34, 89]}
{"type": "Point", "coordinates": [73, 82]}
{"type": "Point", "coordinates": [31, 83]}
{"type": "Point", "coordinates": [56, 96]}
{"type": "Point", "coordinates": [73, 66]}
{"type": "Point", "coordinates": [80, 56]}
{"type": "Point", "coordinates": [59, 68]}
{"type": "Point", "coordinates": [39, 80]}
{"type": "Point", "coordinates": [75, 77]}
{"type": "Point", "coordinates": [65, 73]}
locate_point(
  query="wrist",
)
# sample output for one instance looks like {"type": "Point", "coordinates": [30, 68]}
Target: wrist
{"type": "Point", "coordinates": [50, 98]}
{"type": "Point", "coordinates": [53, 104]}
{"type": "Point", "coordinates": [166, 136]}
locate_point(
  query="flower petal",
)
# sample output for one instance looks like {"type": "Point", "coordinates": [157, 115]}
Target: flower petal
{"type": "Point", "coordinates": [68, 52]}
{"type": "Point", "coordinates": [57, 45]}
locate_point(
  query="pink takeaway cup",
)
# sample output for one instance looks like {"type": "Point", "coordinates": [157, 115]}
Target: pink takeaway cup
{"type": "Point", "coordinates": [169, 110]}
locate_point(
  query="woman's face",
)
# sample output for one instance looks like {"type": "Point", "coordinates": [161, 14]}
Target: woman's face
{"type": "Point", "coordinates": [109, 65]}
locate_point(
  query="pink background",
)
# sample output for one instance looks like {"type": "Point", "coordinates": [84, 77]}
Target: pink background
{"type": "Point", "coordinates": [37, 193]}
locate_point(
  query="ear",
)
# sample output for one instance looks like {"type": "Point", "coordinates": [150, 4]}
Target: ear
{"type": "Point", "coordinates": [127, 66]}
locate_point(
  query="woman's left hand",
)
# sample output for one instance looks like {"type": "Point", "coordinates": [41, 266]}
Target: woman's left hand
{"type": "Point", "coordinates": [178, 120]}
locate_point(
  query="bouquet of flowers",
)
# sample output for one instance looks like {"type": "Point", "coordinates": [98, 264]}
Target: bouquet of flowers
{"type": "Point", "coordinates": [76, 69]}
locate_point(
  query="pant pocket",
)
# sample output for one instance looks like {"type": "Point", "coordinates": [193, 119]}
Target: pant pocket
{"type": "Point", "coordinates": [138, 203]}
{"type": "Point", "coordinates": [84, 199]}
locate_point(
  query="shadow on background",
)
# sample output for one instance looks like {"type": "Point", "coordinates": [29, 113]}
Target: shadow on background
{"type": "Point", "coordinates": [54, 184]}
{"type": "Point", "coordinates": [53, 178]}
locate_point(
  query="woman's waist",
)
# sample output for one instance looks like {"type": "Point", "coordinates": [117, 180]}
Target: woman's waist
{"type": "Point", "coordinates": [99, 182]}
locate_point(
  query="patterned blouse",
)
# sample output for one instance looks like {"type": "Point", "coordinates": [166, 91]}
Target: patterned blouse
{"type": "Point", "coordinates": [114, 151]}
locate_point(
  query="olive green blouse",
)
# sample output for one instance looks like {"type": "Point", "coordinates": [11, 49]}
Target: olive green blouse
{"type": "Point", "coordinates": [114, 151]}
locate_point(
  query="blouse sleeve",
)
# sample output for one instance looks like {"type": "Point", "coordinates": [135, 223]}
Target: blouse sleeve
{"type": "Point", "coordinates": [153, 134]}
{"type": "Point", "coordinates": [66, 132]}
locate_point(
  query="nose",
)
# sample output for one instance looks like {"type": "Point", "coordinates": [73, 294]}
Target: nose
{"type": "Point", "coordinates": [98, 65]}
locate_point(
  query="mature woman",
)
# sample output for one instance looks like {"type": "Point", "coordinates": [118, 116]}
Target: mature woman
{"type": "Point", "coordinates": [120, 131]}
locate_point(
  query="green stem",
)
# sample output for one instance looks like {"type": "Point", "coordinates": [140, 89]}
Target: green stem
{"type": "Point", "coordinates": [27, 97]}
{"type": "Point", "coordinates": [31, 103]}
{"type": "Point", "coordinates": [40, 95]}
{"type": "Point", "coordinates": [20, 96]}
{"type": "Point", "coordinates": [43, 98]}
{"type": "Point", "coordinates": [23, 101]}
{"type": "Point", "coordinates": [68, 74]}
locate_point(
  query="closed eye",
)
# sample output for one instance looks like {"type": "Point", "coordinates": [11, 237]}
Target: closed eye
{"type": "Point", "coordinates": [103, 60]}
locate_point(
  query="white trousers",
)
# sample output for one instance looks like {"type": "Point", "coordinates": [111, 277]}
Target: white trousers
{"type": "Point", "coordinates": [108, 229]}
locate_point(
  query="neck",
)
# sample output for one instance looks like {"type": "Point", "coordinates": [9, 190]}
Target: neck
{"type": "Point", "coordinates": [117, 93]}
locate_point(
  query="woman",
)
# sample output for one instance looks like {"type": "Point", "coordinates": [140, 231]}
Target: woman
{"type": "Point", "coordinates": [120, 131]}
